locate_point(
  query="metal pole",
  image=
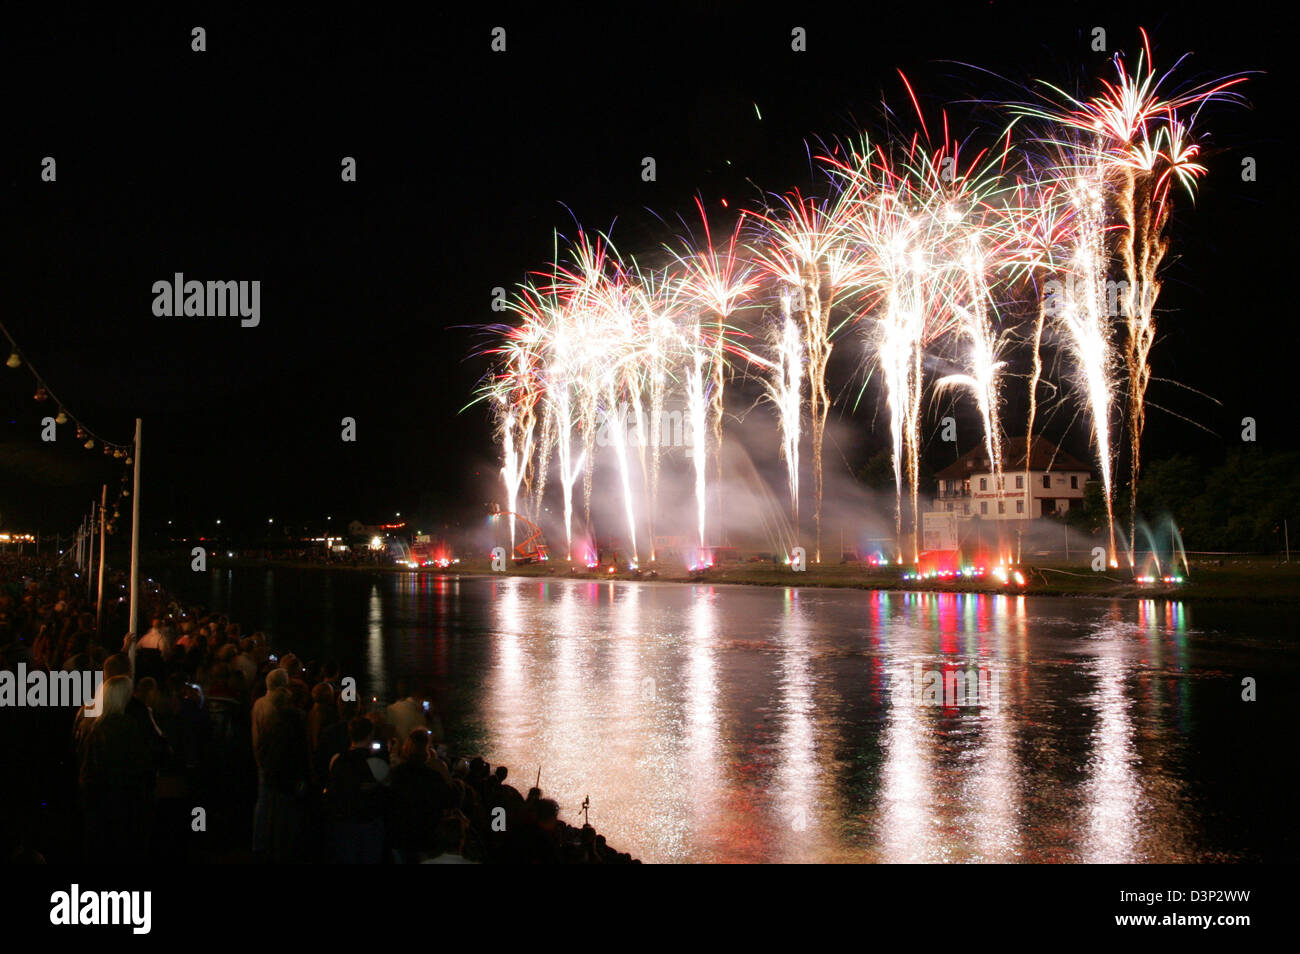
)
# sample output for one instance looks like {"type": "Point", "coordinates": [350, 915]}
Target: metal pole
{"type": "Point", "coordinates": [90, 560]}
{"type": "Point", "coordinates": [135, 535]}
{"type": "Point", "coordinates": [99, 586]}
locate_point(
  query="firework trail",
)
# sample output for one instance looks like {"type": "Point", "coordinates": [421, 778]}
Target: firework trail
{"type": "Point", "coordinates": [512, 470]}
{"type": "Point", "coordinates": [804, 248]}
{"type": "Point", "coordinates": [971, 207]}
{"type": "Point", "coordinates": [1085, 317]}
{"type": "Point", "coordinates": [905, 276]}
{"type": "Point", "coordinates": [890, 241]}
{"type": "Point", "coordinates": [696, 377]}
{"type": "Point", "coordinates": [605, 306]}
{"type": "Point", "coordinates": [1037, 223]}
{"type": "Point", "coordinates": [562, 375]}
{"type": "Point", "coordinates": [513, 393]}
{"type": "Point", "coordinates": [545, 442]}
{"type": "Point", "coordinates": [715, 280]}
{"type": "Point", "coordinates": [516, 432]}
{"type": "Point", "coordinates": [658, 309]}
{"type": "Point", "coordinates": [785, 389]}
{"type": "Point", "coordinates": [929, 241]}
{"type": "Point", "coordinates": [781, 372]}
{"type": "Point", "coordinates": [1141, 147]}
{"type": "Point", "coordinates": [623, 384]}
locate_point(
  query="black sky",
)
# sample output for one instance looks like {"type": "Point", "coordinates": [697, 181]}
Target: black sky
{"type": "Point", "coordinates": [225, 165]}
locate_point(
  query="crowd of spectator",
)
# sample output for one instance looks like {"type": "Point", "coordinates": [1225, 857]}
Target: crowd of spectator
{"type": "Point", "coordinates": [204, 744]}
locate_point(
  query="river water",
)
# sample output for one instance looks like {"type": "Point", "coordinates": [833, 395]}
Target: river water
{"type": "Point", "coordinates": [743, 724]}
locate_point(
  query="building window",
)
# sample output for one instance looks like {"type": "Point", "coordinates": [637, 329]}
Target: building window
{"type": "Point", "coordinates": [1047, 481]}
{"type": "Point", "coordinates": [1002, 507]}
{"type": "Point", "coordinates": [984, 483]}
{"type": "Point", "coordinates": [950, 506]}
{"type": "Point", "coordinates": [984, 507]}
{"type": "Point", "coordinates": [966, 509]}
{"type": "Point", "coordinates": [1020, 506]}
{"type": "Point", "coordinates": [1074, 482]}
{"type": "Point", "coordinates": [1020, 482]}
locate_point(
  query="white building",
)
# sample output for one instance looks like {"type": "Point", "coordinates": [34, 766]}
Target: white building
{"type": "Point", "coordinates": [1054, 483]}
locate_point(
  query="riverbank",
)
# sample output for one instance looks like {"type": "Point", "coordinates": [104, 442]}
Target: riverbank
{"type": "Point", "coordinates": [1259, 579]}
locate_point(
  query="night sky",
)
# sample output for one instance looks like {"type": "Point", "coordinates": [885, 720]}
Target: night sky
{"type": "Point", "coordinates": [226, 165]}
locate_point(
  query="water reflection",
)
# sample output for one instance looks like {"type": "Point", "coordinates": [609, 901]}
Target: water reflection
{"type": "Point", "coordinates": [796, 785]}
{"type": "Point", "coordinates": [907, 806]}
{"type": "Point", "coordinates": [1112, 790]}
{"type": "Point", "coordinates": [375, 674]}
{"type": "Point", "coordinates": [729, 741]}
{"type": "Point", "coordinates": [994, 785]}
{"type": "Point", "coordinates": [712, 723]}
{"type": "Point", "coordinates": [700, 758]}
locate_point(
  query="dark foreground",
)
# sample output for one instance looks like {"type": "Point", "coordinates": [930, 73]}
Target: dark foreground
{"type": "Point", "coordinates": [222, 747]}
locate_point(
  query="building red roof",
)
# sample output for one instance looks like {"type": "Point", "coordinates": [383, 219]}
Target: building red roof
{"type": "Point", "coordinates": [1044, 456]}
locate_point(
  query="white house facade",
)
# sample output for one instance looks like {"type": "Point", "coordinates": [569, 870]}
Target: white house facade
{"type": "Point", "coordinates": [1053, 483]}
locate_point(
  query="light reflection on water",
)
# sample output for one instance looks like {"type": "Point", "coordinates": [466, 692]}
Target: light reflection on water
{"type": "Point", "coordinates": [713, 723]}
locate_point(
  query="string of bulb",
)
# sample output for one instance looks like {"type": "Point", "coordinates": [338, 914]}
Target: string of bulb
{"type": "Point", "coordinates": [88, 438]}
